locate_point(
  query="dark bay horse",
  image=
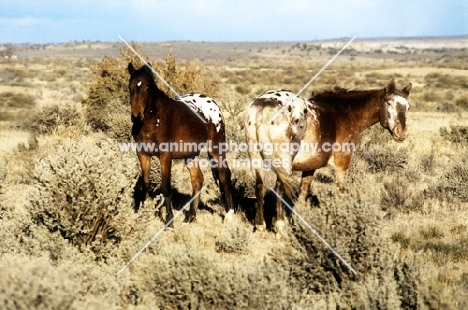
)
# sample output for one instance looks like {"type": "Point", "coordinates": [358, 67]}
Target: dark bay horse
{"type": "Point", "coordinates": [334, 120]}
{"type": "Point", "coordinates": [176, 132]}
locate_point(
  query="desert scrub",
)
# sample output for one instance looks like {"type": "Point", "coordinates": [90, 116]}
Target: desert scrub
{"type": "Point", "coordinates": [16, 100]}
{"type": "Point", "coordinates": [453, 185]}
{"type": "Point", "coordinates": [13, 106]}
{"type": "Point", "coordinates": [183, 276]}
{"type": "Point", "coordinates": [397, 195]}
{"type": "Point", "coordinates": [107, 102]}
{"type": "Point", "coordinates": [56, 117]}
{"type": "Point", "coordinates": [350, 223]}
{"type": "Point", "coordinates": [380, 153]}
{"type": "Point", "coordinates": [38, 283]}
{"type": "Point", "coordinates": [237, 239]}
{"type": "Point", "coordinates": [84, 191]}
{"type": "Point", "coordinates": [457, 134]}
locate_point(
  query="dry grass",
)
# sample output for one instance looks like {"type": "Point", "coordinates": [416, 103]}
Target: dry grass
{"type": "Point", "coordinates": [402, 225]}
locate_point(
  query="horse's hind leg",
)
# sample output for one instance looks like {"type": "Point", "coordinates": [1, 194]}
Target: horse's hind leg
{"type": "Point", "coordinates": [279, 219]}
{"type": "Point", "coordinates": [307, 177]}
{"type": "Point", "coordinates": [260, 194]}
{"type": "Point", "coordinates": [196, 178]}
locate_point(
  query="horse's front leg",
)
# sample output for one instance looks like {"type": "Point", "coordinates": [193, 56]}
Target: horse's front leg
{"type": "Point", "coordinates": [166, 163]}
{"type": "Point", "coordinates": [196, 178]}
{"type": "Point", "coordinates": [145, 163]}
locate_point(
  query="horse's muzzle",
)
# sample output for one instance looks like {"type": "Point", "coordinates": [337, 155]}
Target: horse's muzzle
{"type": "Point", "coordinates": [400, 137]}
{"type": "Point", "coordinates": [399, 134]}
{"type": "Point", "coordinates": [138, 118]}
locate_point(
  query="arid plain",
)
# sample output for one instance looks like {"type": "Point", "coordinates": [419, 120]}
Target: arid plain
{"type": "Point", "coordinates": [69, 221]}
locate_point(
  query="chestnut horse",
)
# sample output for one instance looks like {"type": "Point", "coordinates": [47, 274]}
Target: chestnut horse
{"type": "Point", "coordinates": [176, 132]}
{"type": "Point", "coordinates": [333, 122]}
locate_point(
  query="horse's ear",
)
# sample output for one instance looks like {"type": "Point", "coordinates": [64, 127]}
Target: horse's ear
{"type": "Point", "coordinates": [130, 68]}
{"type": "Point", "coordinates": [148, 69]}
{"type": "Point", "coordinates": [390, 87]}
{"type": "Point", "coordinates": [407, 89]}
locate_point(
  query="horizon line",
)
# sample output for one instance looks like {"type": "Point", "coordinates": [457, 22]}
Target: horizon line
{"type": "Point", "coordinates": [423, 37]}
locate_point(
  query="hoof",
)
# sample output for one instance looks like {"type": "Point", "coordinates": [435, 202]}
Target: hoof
{"type": "Point", "coordinates": [260, 227]}
{"type": "Point", "coordinates": [229, 217]}
{"type": "Point", "coordinates": [169, 220]}
{"type": "Point", "coordinates": [280, 229]}
{"type": "Point", "coordinates": [189, 218]}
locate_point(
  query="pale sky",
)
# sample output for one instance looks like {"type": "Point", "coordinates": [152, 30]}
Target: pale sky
{"type": "Point", "coordinates": [51, 21]}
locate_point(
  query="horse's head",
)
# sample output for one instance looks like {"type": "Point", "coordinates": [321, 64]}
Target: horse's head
{"type": "Point", "coordinates": [140, 86]}
{"type": "Point", "coordinates": [394, 109]}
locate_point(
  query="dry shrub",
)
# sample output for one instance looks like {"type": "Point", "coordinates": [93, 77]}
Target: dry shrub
{"type": "Point", "coordinates": [37, 283]}
{"type": "Point", "coordinates": [453, 186]}
{"type": "Point", "coordinates": [457, 134]}
{"type": "Point", "coordinates": [462, 103]}
{"type": "Point", "coordinates": [428, 162]}
{"type": "Point", "coordinates": [438, 80]}
{"type": "Point", "coordinates": [16, 100]}
{"type": "Point", "coordinates": [237, 239]}
{"type": "Point", "coordinates": [194, 77]}
{"type": "Point", "coordinates": [84, 191]}
{"type": "Point", "coordinates": [446, 107]}
{"type": "Point", "coordinates": [304, 275]}
{"type": "Point", "coordinates": [397, 195]}
{"type": "Point", "coordinates": [350, 224]}
{"type": "Point", "coordinates": [56, 117]}
{"type": "Point", "coordinates": [243, 89]}
{"type": "Point", "coordinates": [3, 172]}
{"type": "Point", "coordinates": [107, 102]}
{"type": "Point", "coordinates": [13, 106]}
{"type": "Point", "coordinates": [32, 283]}
{"type": "Point", "coordinates": [380, 153]}
{"type": "Point", "coordinates": [183, 276]}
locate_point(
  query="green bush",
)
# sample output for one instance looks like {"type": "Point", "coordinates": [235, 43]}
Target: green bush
{"type": "Point", "coordinates": [84, 191]}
